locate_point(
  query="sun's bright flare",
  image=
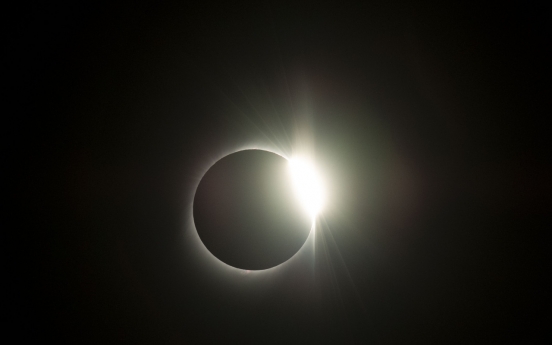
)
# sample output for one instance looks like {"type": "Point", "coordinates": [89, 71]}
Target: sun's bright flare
{"type": "Point", "coordinates": [308, 185]}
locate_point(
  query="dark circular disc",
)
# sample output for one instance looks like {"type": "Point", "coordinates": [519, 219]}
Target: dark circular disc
{"type": "Point", "coordinates": [246, 213]}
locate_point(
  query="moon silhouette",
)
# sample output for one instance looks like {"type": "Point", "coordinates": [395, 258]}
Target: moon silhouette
{"type": "Point", "coordinates": [247, 213]}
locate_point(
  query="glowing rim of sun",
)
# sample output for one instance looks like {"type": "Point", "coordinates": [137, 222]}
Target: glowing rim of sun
{"type": "Point", "coordinates": [308, 187]}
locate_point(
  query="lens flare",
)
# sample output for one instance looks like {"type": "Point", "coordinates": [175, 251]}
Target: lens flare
{"type": "Point", "coordinates": [308, 185]}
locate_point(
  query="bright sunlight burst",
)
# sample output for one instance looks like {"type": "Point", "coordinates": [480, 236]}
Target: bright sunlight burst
{"type": "Point", "coordinates": [308, 185]}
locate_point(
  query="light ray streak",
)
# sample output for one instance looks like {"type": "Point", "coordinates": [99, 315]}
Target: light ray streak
{"type": "Point", "coordinates": [250, 120]}
{"type": "Point", "coordinates": [267, 126]}
{"type": "Point", "coordinates": [344, 265]}
{"type": "Point", "coordinates": [278, 117]}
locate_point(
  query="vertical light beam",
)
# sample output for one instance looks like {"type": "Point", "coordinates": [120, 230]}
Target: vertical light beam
{"type": "Point", "coordinates": [307, 185]}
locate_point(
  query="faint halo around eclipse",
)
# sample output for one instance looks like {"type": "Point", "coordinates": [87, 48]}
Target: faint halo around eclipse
{"type": "Point", "coordinates": [246, 212]}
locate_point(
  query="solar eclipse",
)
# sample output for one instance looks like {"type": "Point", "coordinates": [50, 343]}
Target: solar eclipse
{"type": "Point", "coordinates": [254, 209]}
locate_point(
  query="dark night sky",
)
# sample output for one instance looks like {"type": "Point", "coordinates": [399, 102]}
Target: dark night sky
{"type": "Point", "coordinates": [429, 121]}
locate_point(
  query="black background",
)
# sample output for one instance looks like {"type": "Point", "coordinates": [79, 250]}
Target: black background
{"type": "Point", "coordinates": [428, 119]}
